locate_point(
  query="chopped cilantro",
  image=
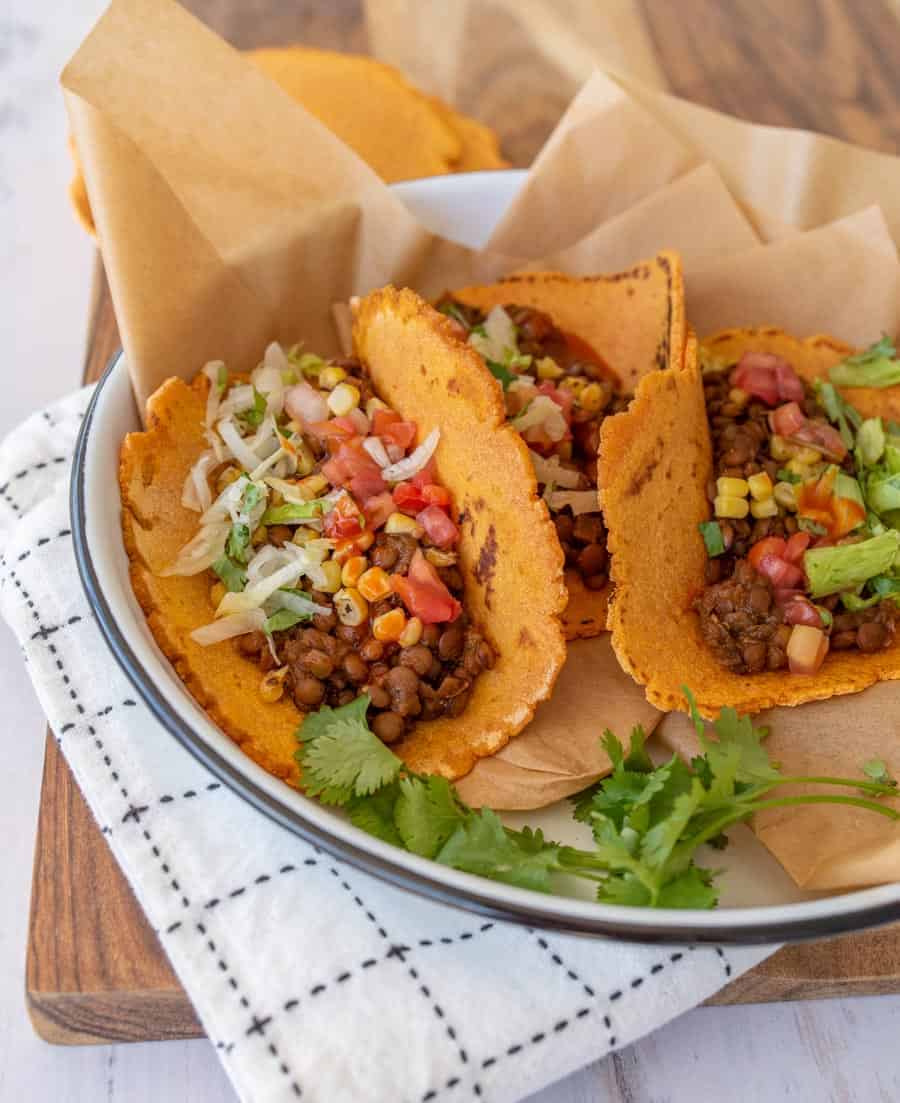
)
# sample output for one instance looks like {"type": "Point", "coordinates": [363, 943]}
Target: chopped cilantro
{"type": "Point", "coordinates": [501, 372]}
{"type": "Point", "coordinates": [222, 380]}
{"type": "Point", "coordinates": [878, 772]}
{"type": "Point", "coordinates": [712, 538]}
{"type": "Point", "coordinates": [253, 417]}
{"type": "Point", "coordinates": [785, 476]}
{"type": "Point", "coordinates": [454, 311]}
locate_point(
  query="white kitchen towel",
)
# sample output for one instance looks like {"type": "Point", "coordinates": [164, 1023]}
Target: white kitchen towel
{"type": "Point", "coordinates": [313, 980]}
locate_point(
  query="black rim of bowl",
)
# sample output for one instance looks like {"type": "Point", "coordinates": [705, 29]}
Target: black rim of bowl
{"type": "Point", "coordinates": [538, 914]}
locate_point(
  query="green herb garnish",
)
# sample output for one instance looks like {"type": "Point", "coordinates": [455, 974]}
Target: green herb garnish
{"type": "Point", "coordinates": [252, 417]}
{"type": "Point", "coordinates": [293, 512]}
{"type": "Point", "coordinates": [454, 311]}
{"type": "Point", "coordinates": [283, 619]}
{"type": "Point", "coordinates": [876, 366]}
{"type": "Point", "coordinates": [222, 380]}
{"type": "Point", "coordinates": [237, 546]}
{"type": "Point", "coordinates": [647, 821]}
{"type": "Point", "coordinates": [232, 575]}
{"type": "Point", "coordinates": [501, 372]}
{"type": "Point", "coordinates": [785, 476]}
{"type": "Point", "coordinates": [712, 538]}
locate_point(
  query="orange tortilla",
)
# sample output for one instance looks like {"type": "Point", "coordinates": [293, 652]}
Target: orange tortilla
{"type": "Point", "coordinates": [396, 129]}
{"type": "Point", "coordinates": [509, 555]}
{"type": "Point", "coordinates": [635, 320]}
{"type": "Point", "coordinates": [655, 463]}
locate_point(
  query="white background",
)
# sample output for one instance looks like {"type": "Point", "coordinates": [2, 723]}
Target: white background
{"type": "Point", "coordinates": [842, 1050]}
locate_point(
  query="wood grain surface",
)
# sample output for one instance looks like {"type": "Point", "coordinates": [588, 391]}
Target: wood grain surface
{"type": "Point", "coordinates": [95, 971]}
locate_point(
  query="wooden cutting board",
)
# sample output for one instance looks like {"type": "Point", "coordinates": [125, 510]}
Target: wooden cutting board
{"type": "Point", "coordinates": [95, 970]}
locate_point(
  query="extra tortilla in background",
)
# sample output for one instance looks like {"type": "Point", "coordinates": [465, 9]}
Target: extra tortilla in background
{"type": "Point", "coordinates": [325, 227]}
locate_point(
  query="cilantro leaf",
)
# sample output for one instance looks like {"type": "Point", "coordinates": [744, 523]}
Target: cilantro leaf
{"type": "Point", "coordinates": [484, 846]}
{"type": "Point", "coordinates": [454, 311]}
{"type": "Point", "coordinates": [232, 575]}
{"type": "Point", "coordinates": [501, 372]}
{"type": "Point", "coordinates": [375, 813]}
{"type": "Point", "coordinates": [427, 813]}
{"type": "Point", "coordinates": [340, 757]}
{"type": "Point", "coordinates": [876, 769]}
{"type": "Point", "coordinates": [692, 888]}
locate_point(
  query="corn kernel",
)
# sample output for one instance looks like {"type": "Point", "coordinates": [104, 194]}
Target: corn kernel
{"type": "Point", "coordinates": [353, 569]}
{"type": "Point", "coordinates": [389, 627]}
{"type": "Point", "coordinates": [760, 486]}
{"type": "Point", "coordinates": [732, 488]}
{"type": "Point", "coordinates": [573, 383]}
{"type": "Point", "coordinates": [734, 508]}
{"type": "Point", "coordinates": [331, 571]}
{"type": "Point", "coordinates": [216, 593]}
{"type": "Point", "coordinates": [738, 398]}
{"type": "Point", "coordinates": [802, 469]}
{"type": "Point", "coordinates": [412, 633]}
{"type": "Point", "coordinates": [785, 496]}
{"type": "Point", "coordinates": [399, 523]}
{"type": "Point", "coordinates": [271, 688]}
{"type": "Point", "coordinates": [547, 368]}
{"type": "Point", "coordinates": [259, 536]}
{"type": "Point", "coordinates": [441, 558]}
{"type": "Point", "coordinates": [303, 534]}
{"type": "Point", "coordinates": [768, 507]}
{"type": "Point", "coordinates": [808, 455]}
{"type": "Point", "coordinates": [353, 545]}
{"type": "Point", "coordinates": [306, 461]}
{"type": "Point", "coordinates": [351, 607]}
{"type": "Point", "coordinates": [343, 399]}
{"type": "Point", "coordinates": [375, 404]}
{"type": "Point", "coordinates": [374, 584]}
{"type": "Point", "coordinates": [311, 487]}
{"type": "Point", "coordinates": [330, 376]}
{"type": "Point", "coordinates": [227, 477]}
{"type": "Point", "coordinates": [593, 398]}
{"type": "Point", "coordinates": [780, 449]}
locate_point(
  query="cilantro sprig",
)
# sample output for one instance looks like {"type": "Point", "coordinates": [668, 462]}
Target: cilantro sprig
{"type": "Point", "coordinates": [648, 822]}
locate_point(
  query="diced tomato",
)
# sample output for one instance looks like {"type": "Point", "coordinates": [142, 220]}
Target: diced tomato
{"type": "Point", "coordinates": [436, 496]}
{"type": "Point", "coordinates": [823, 437]}
{"type": "Point", "coordinates": [426, 477]}
{"type": "Point", "coordinates": [392, 429]}
{"type": "Point", "coordinates": [409, 498]}
{"type": "Point", "coordinates": [785, 597]}
{"type": "Point", "coordinates": [345, 521]}
{"type": "Point", "coordinates": [771, 545]}
{"type": "Point", "coordinates": [768, 377]}
{"type": "Point", "coordinates": [378, 509]}
{"type": "Point", "coordinates": [381, 419]}
{"type": "Point", "coordinates": [797, 544]}
{"type": "Point", "coordinates": [336, 428]}
{"type": "Point", "coordinates": [801, 611]}
{"type": "Point", "coordinates": [439, 529]}
{"type": "Point", "coordinates": [367, 483]}
{"type": "Point", "coordinates": [781, 574]}
{"type": "Point", "coordinates": [564, 399]}
{"type": "Point", "coordinates": [424, 594]}
{"type": "Point", "coordinates": [787, 419]}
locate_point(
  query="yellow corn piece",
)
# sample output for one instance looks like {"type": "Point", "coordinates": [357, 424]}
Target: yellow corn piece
{"type": "Point", "coordinates": [768, 507]}
{"type": "Point", "coordinates": [389, 627]}
{"type": "Point", "coordinates": [412, 633]}
{"type": "Point", "coordinates": [733, 508]}
{"type": "Point", "coordinates": [343, 399]}
{"type": "Point", "coordinates": [593, 398]}
{"type": "Point", "coordinates": [374, 584]}
{"type": "Point", "coordinates": [737, 397]}
{"type": "Point", "coordinates": [271, 688]}
{"type": "Point", "coordinates": [330, 376]}
{"type": "Point", "coordinates": [351, 607]}
{"type": "Point", "coordinates": [785, 496]}
{"type": "Point", "coordinates": [547, 368]}
{"type": "Point", "coordinates": [441, 558]}
{"type": "Point", "coordinates": [399, 523]}
{"type": "Point", "coordinates": [732, 488]}
{"type": "Point", "coordinates": [808, 455]}
{"type": "Point", "coordinates": [802, 469]}
{"type": "Point", "coordinates": [375, 404]}
{"type": "Point", "coordinates": [353, 569]}
{"type": "Point", "coordinates": [332, 581]}
{"type": "Point", "coordinates": [760, 486]}
{"type": "Point", "coordinates": [780, 449]}
{"type": "Point", "coordinates": [303, 534]}
{"type": "Point", "coordinates": [312, 486]}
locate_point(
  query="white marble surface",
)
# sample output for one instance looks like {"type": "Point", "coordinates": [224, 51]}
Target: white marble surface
{"type": "Point", "coordinates": [842, 1050]}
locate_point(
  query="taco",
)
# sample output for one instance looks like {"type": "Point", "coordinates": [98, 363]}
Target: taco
{"type": "Point", "coordinates": [754, 519]}
{"type": "Point", "coordinates": [318, 529]}
{"type": "Point", "coordinates": [568, 352]}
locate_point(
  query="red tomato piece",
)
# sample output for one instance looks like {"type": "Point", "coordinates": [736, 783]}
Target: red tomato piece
{"type": "Point", "coordinates": [367, 483]}
{"type": "Point", "coordinates": [768, 377]}
{"type": "Point", "coordinates": [563, 398]}
{"type": "Point", "coordinates": [436, 496]}
{"type": "Point", "coordinates": [345, 521]}
{"type": "Point", "coordinates": [378, 509]}
{"type": "Point", "coordinates": [797, 544]}
{"type": "Point", "coordinates": [409, 498]}
{"type": "Point", "coordinates": [336, 428]}
{"type": "Point", "coordinates": [823, 437]}
{"type": "Point", "coordinates": [770, 545]}
{"type": "Point", "coordinates": [439, 529]}
{"type": "Point", "coordinates": [801, 611]}
{"type": "Point", "coordinates": [426, 477]}
{"type": "Point", "coordinates": [423, 593]}
{"type": "Point", "coordinates": [787, 419]}
{"type": "Point", "coordinates": [781, 574]}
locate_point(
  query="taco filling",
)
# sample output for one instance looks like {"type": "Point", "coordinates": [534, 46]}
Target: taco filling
{"type": "Point", "coordinates": [557, 391]}
{"type": "Point", "coordinates": [330, 544]}
{"type": "Point", "coordinates": [804, 545]}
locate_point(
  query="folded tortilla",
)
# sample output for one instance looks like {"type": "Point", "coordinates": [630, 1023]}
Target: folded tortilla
{"type": "Point", "coordinates": [655, 464]}
{"type": "Point", "coordinates": [509, 555]}
{"type": "Point", "coordinates": [635, 320]}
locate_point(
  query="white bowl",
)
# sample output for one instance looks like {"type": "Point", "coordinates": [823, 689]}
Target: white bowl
{"type": "Point", "coordinates": [760, 902]}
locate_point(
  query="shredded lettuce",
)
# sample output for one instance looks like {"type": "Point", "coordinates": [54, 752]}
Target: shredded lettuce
{"type": "Point", "coordinates": [877, 366]}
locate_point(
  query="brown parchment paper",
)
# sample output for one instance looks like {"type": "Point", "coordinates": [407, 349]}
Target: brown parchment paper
{"type": "Point", "coordinates": [225, 226]}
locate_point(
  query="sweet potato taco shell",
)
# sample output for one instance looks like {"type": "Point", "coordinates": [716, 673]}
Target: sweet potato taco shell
{"type": "Point", "coordinates": [655, 463]}
{"type": "Point", "coordinates": [635, 320]}
{"type": "Point", "coordinates": [509, 555]}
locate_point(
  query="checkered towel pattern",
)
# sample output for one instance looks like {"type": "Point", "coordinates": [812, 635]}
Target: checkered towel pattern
{"type": "Point", "coordinates": [313, 980]}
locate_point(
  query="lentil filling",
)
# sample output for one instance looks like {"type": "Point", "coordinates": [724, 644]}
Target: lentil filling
{"type": "Point", "coordinates": [349, 514]}
{"type": "Point", "coordinates": [545, 366]}
{"type": "Point", "coordinates": [776, 463]}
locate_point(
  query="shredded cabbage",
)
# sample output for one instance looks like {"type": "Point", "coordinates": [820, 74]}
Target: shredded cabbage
{"type": "Point", "coordinates": [245, 456]}
{"type": "Point", "coordinates": [579, 501]}
{"type": "Point", "coordinates": [551, 471]}
{"type": "Point", "coordinates": [196, 494]}
{"type": "Point", "coordinates": [542, 411]}
{"type": "Point", "coordinates": [214, 371]}
{"type": "Point", "coordinates": [375, 448]}
{"type": "Point", "coordinates": [199, 553]}
{"type": "Point", "coordinates": [237, 625]}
